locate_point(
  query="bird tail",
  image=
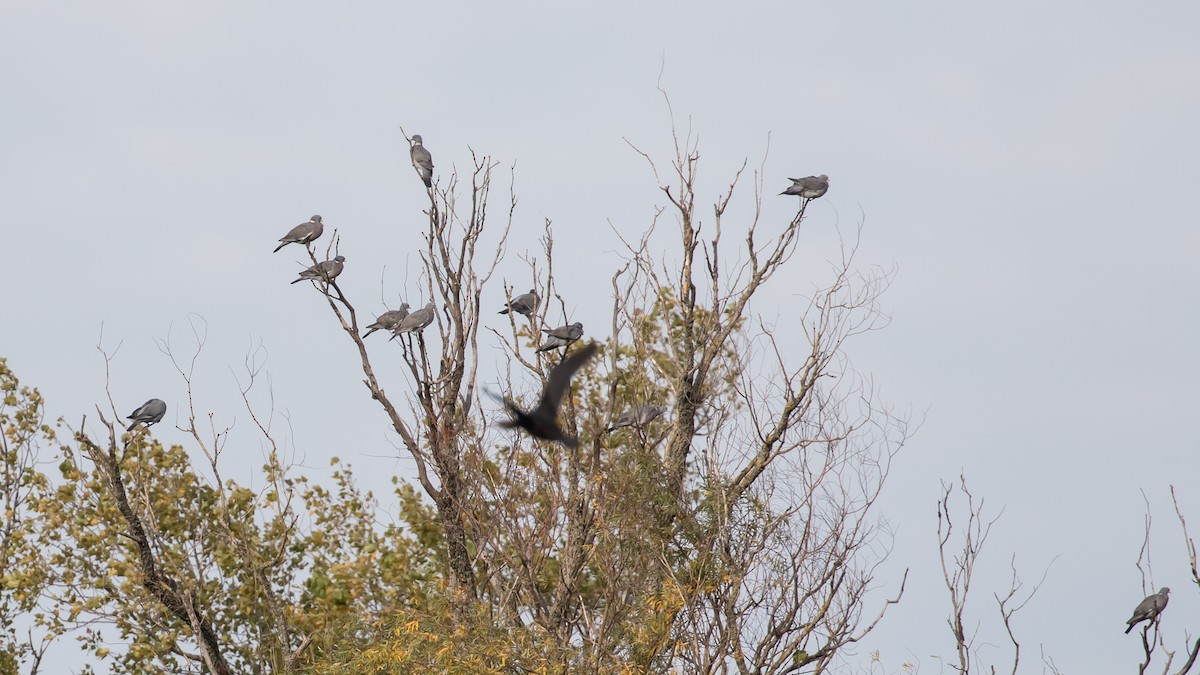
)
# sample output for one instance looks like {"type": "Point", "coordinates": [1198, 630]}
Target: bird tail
{"type": "Point", "coordinates": [569, 441]}
{"type": "Point", "coordinates": [298, 280]}
{"type": "Point", "coordinates": [1129, 629]}
{"type": "Point", "coordinates": [369, 332]}
{"type": "Point", "coordinates": [280, 246]}
{"type": "Point", "coordinates": [131, 426]}
{"type": "Point", "coordinates": [503, 311]}
{"type": "Point", "coordinates": [428, 180]}
{"type": "Point", "coordinates": [545, 348]}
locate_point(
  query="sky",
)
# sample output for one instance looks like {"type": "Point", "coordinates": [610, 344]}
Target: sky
{"type": "Point", "coordinates": [1026, 168]}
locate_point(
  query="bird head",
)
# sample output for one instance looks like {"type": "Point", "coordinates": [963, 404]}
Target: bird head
{"type": "Point", "coordinates": [417, 139]}
{"type": "Point", "coordinates": [315, 219]}
{"type": "Point", "coordinates": [340, 258]}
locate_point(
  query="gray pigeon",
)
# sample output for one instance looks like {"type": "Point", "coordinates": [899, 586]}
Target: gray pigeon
{"type": "Point", "coordinates": [562, 336]}
{"type": "Point", "coordinates": [151, 412]}
{"type": "Point", "coordinates": [417, 321]}
{"type": "Point", "coordinates": [809, 187]}
{"type": "Point", "coordinates": [303, 233]}
{"type": "Point", "coordinates": [523, 304]}
{"type": "Point", "coordinates": [388, 320]}
{"type": "Point", "coordinates": [542, 421]}
{"type": "Point", "coordinates": [1149, 609]}
{"type": "Point", "coordinates": [326, 271]}
{"type": "Point", "coordinates": [638, 416]}
{"type": "Point", "coordinates": [422, 160]}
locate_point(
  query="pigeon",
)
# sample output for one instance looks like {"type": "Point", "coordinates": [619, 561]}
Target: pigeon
{"type": "Point", "coordinates": [542, 421]}
{"type": "Point", "coordinates": [562, 336]}
{"type": "Point", "coordinates": [523, 304]}
{"type": "Point", "coordinates": [388, 320]}
{"type": "Point", "coordinates": [809, 187]}
{"type": "Point", "coordinates": [1149, 609]}
{"type": "Point", "coordinates": [422, 160]}
{"type": "Point", "coordinates": [638, 416]}
{"type": "Point", "coordinates": [326, 271]}
{"type": "Point", "coordinates": [151, 412]}
{"type": "Point", "coordinates": [416, 321]}
{"type": "Point", "coordinates": [302, 233]}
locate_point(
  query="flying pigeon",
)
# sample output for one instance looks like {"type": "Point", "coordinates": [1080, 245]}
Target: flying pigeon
{"type": "Point", "coordinates": [422, 160]}
{"type": "Point", "coordinates": [302, 233]}
{"type": "Point", "coordinates": [1149, 609]}
{"type": "Point", "coordinates": [523, 304]}
{"type": "Point", "coordinates": [416, 321]}
{"type": "Point", "coordinates": [809, 187]}
{"type": "Point", "coordinates": [388, 320]}
{"type": "Point", "coordinates": [542, 421]}
{"type": "Point", "coordinates": [562, 336]}
{"type": "Point", "coordinates": [151, 412]}
{"type": "Point", "coordinates": [326, 271]}
{"type": "Point", "coordinates": [638, 416]}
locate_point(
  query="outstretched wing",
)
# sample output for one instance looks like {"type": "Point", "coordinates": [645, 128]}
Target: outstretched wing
{"type": "Point", "coordinates": [513, 409]}
{"type": "Point", "coordinates": [560, 379]}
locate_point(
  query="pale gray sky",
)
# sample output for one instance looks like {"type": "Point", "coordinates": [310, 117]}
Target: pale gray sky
{"type": "Point", "coordinates": [1027, 166]}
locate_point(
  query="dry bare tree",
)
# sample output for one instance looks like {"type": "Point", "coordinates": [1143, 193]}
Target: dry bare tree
{"type": "Point", "coordinates": [960, 545]}
{"type": "Point", "coordinates": [737, 531]}
{"type": "Point", "coordinates": [1153, 637]}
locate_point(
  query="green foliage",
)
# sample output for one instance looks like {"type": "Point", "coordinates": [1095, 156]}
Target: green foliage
{"type": "Point", "coordinates": [24, 572]}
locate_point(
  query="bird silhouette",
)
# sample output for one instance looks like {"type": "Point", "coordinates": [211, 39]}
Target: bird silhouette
{"type": "Point", "coordinates": [638, 417]}
{"type": "Point", "coordinates": [562, 336]}
{"type": "Point", "coordinates": [416, 321]}
{"type": "Point", "coordinates": [809, 187]}
{"type": "Point", "coordinates": [150, 412]}
{"type": "Point", "coordinates": [422, 160]}
{"type": "Point", "coordinates": [388, 320]}
{"type": "Point", "coordinates": [323, 271]}
{"type": "Point", "coordinates": [542, 421]}
{"type": "Point", "coordinates": [522, 304]}
{"type": "Point", "coordinates": [304, 233]}
{"type": "Point", "coordinates": [1149, 609]}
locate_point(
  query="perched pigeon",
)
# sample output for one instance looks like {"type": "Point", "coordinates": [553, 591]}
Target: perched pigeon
{"type": "Point", "coordinates": [523, 304]}
{"type": "Point", "coordinates": [302, 233]}
{"type": "Point", "coordinates": [1149, 609]}
{"type": "Point", "coordinates": [151, 412]}
{"type": "Point", "coordinates": [326, 271]}
{"type": "Point", "coordinates": [638, 416]}
{"type": "Point", "coordinates": [562, 336]}
{"type": "Point", "coordinates": [422, 160]}
{"type": "Point", "coordinates": [809, 187]}
{"type": "Point", "coordinates": [388, 320]}
{"type": "Point", "coordinates": [542, 421]}
{"type": "Point", "coordinates": [417, 321]}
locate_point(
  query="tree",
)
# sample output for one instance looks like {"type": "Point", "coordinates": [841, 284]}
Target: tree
{"type": "Point", "coordinates": [637, 550]}
{"type": "Point", "coordinates": [23, 570]}
{"type": "Point", "coordinates": [737, 531]}
{"type": "Point", "coordinates": [959, 556]}
{"type": "Point", "coordinates": [1152, 638]}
